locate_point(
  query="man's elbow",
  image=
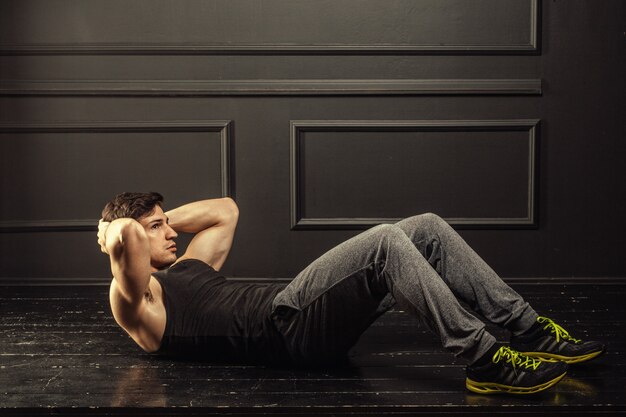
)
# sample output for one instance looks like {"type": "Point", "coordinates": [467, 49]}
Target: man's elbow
{"type": "Point", "coordinates": [231, 210]}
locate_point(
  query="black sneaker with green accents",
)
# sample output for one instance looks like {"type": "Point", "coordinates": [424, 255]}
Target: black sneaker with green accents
{"type": "Point", "coordinates": [551, 342]}
{"type": "Point", "coordinates": [514, 373]}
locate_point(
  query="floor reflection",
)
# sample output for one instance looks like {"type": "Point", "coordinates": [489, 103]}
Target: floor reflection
{"type": "Point", "coordinates": [140, 386]}
{"type": "Point", "coordinates": [568, 389]}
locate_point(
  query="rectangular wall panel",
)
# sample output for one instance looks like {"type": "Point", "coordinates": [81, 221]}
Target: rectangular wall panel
{"type": "Point", "coordinates": [58, 176]}
{"type": "Point", "coordinates": [353, 174]}
{"type": "Point", "coordinates": [270, 26]}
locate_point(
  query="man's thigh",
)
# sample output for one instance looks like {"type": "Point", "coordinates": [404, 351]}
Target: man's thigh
{"type": "Point", "coordinates": [327, 327]}
{"type": "Point", "coordinates": [356, 256]}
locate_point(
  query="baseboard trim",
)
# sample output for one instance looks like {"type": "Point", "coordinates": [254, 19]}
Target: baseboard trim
{"type": "Point", "coordinates": [52, 281]}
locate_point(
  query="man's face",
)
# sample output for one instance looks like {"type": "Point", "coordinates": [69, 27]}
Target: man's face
{"type": "Point", "coordinates": [161, 237]}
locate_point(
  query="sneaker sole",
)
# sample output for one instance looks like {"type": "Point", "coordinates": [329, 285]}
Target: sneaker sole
{"type": "Point", "coordinates": [495, 388]}
{"type": "Point", "coordinates": [552, 357]}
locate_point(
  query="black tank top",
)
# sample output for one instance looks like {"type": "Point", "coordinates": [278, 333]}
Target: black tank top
{"type": "Point", "coordinates": [217, 319]}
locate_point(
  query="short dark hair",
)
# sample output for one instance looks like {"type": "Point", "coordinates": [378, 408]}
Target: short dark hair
{"type": "Point", "coordinates": [133, 205]}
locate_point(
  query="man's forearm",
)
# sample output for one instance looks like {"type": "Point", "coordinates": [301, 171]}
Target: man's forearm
{"type": "Point", "coordinates": [200, 215]}
{"type": "Point", "coordinates": [129, 252]}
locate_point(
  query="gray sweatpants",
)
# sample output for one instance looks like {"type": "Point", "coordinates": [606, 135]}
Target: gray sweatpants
{"type": "Point", "coordinates": [422, 264]}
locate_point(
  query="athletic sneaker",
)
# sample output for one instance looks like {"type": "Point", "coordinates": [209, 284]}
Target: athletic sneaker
{"type": "Point", "coordinates": [551, 342]}
{"type": "Point", "coordinates": [512, 372]}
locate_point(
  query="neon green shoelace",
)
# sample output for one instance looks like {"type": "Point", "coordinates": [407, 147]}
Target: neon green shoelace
{"type": "Point", "coordinates": [515, 358]}
{"type": "Point", "coordinates": [558, 331]}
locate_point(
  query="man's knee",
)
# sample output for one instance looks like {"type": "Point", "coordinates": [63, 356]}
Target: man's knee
{"type": "Point", "coordinates": [427, 224]}
{"type": "Point", "coordinates": [424, 226]}
{"type": "Point", "coordinates": [431, 221]}
{"type": "Point", "coordinates": [388, 230]}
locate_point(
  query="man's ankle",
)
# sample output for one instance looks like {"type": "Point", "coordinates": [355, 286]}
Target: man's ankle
{"type": "Point", "coordinates": [532, 329]}
{"type": "Point", "coordinates": [487, 357]}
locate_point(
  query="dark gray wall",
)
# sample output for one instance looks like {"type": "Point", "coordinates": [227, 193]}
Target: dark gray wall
{"type": "Point", "coordinates": [321, 119]}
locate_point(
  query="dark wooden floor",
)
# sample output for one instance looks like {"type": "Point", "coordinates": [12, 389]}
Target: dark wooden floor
{"type": "Point", "coordinates": [62, 354]}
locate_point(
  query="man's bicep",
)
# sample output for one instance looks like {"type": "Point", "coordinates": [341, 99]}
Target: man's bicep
{"type": "Point", "coordinates": [212, 245]}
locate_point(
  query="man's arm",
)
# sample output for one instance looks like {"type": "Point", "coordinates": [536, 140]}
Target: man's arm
{"type": "Point", "coordinates": [127, 245]}
{"type": "Point", "coordinates": [214, 222]}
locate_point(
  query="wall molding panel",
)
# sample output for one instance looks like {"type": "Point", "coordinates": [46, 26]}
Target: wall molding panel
{"type": "Point", "coordinates": [300, 127]}
{"type": "Point", "coordinates": [223, 127]}
{"type": "Point", "coordinates": [270, 87]}
{"type": "Point", "coordinates": [269, 49]}
{"type": "Point", "coordinates": [288, 40]}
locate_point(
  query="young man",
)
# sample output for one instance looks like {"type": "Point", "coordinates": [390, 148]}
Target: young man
{"type": "Point", "coordinates": [183, 306]}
